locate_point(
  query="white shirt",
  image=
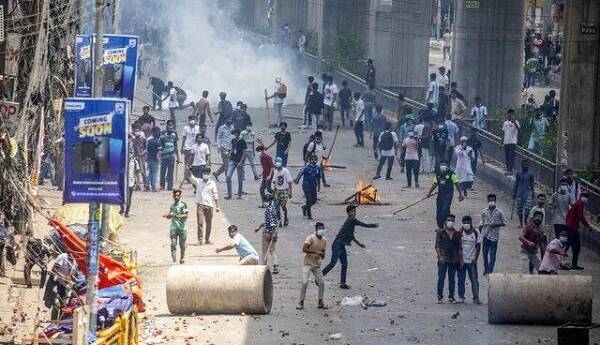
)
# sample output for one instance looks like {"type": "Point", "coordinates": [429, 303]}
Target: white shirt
{"type": "Point", "coordinates": [479, 114]}
{"type": "Point", "coordinates": [173, 98]}
{"type": "Point", "coordinates": [469, 245]}
{"type": "Point", "coordinates": [316, 149]}
{"type": "Point", "coordinates": [433, 92]}
{"type": "Point", "coordinates": [419, 129]}
{"type": "Point", "coordinates": [391, 152]}
{"type": "Point", "coordinates": [443, 78]}
{"type": "Point", "coordinates": [282, 179]}
{"type": "Point", "coordinates": [330, 91]}
{"type": "Point", "coordinates": [190, 136]}
{"type": "Point", "coordinates": [359, 108]}
{"type": "Point", "coordinates": [511, 132]}
{"type": "Point", "coordinates": [200, 152]}
{"type": "Point", "coordinates": [206, 192]}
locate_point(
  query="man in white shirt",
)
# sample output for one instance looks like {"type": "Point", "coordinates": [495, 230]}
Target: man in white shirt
{"type": "Point", "coordinates": [278, 97]}
{"type": "Point", "coordinates": [329, 100]}
{"type": "Point", "coordinates": [224, 138]}
{"type": "Point", "coordinates": [433, 91]}
{"type": "Point", "coordinates": [282, 188]}
{"type": "Point", "coordinates": [173, 105]}
{"type": "Point", "coordinates": [388, 145]}
{"type": "Point", "coordinates": [248, 255]}
{"type": "Point", "coordinates": [359, 119]}
{"type": "Point", "coordinates": [471, 247]}
{"type": "Point", "coordinates": [479, 114]}
{"type": "Point", "coordinates": [200, 156]}
{"type": "Point", "coordinates": [443, 79]}
{"type": "Point", "coordinates": [510, 127]}
{"type": "Point", "coordinates": [189, 139]}
{"type": "Point", "coordinates": [207, 201]}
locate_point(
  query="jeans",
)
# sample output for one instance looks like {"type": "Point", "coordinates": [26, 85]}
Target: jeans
{"type": "Point", "coordinates": [359, 133]}
{"type": "Point", "coordinates": [156, 100]}
{"type": "Point", "coordinates": [558, 228]}
{"type": "Point", "coordinates": [390, 164]}
{"type": "Point", "coordinates": [474, 164]}
{"type": "Point", "coordinates": [250, 161]}
{"type": "Point", "coordinates": [306, 116]}
{"type": "Point", "coordinates": [46, 169]}
{"type": "Point", "coordinates": [317, 119]}
{"type": "Point", "coordinates": [509, 156]}
{"type": "Point", "coordinates": [181, 237]}
{"type": "Point", "coordinates": [427, 165]}
{"type": "Point", "coordinates": [489, 255]}
{"type": "Point", "coordinates": [284, 157]}
{"type": "Point", "coordinates": [471, 271]}
{"type": "Point", "coordinates": [153, 168]}
{"type": "Point", "coordinates": [338, 252]}
{"type": "Point", "coordinates": [575, 243]}
{"type": "Point", "coordinates": [344, 113]}
{"type": "Point", "coordinates": [233, 166]}
{"type": "Point", "coordinates": [443, 269]}
{"type": "Point", "coordinates": [310, 193]}
{"type": "Point", "coordinates": [172, 114]}
{"type": "Point", "coordinates": [278, 107]}
{"type": "Point", "coordinates": [197, 170]}
{"type": "Point", "coordinates": [412, 169]}
{"type": "Point", "coordinates": [316, 271]}
{"type": "Point", "coordinates": [535, 145]}
{"type": "Point", "coordinates": [265, 186]}
{"type": "Point", "coordinates": [204, 216]}
{"type": "Point", "coordinates": [375, 144]}
{"type": "Point", "coordinates": [329, 109]}
{"type": "Point", "coordinates": [531, 79]}
{"type": "Point", "coordinates": [369, 113]}
{"type": "Point", "coordinates": [443, 203]}
{"type": "Point", "coordinates": [530, 263]}
{"type": "Point", "coordinates": [167, 166]}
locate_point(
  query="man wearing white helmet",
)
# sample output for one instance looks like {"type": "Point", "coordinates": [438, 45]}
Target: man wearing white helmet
{"type": "Point", "coordinates": [464, 155]}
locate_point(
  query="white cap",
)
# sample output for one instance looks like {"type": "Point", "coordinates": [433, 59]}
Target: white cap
{"type": "Point", "coordinates": [463, 138]}
{"type": "Point", "coordinates": [278, 79]}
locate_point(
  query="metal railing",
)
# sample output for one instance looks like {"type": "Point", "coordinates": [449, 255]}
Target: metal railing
{"type": "Point", "coordinates": [544, 171]}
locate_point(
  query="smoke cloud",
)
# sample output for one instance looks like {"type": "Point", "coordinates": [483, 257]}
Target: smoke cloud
{"type": "Point", "coordinates": [206, 50]}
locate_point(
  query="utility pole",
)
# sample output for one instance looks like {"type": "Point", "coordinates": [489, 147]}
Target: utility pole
{"type": "Point", "coordinates": [94, 211]}
{"type": "Point", "coordinates": [116, 16]}
{"type": "Point", "coordinates": [439, 19]}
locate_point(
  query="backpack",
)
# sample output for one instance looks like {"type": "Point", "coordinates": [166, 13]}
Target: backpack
{"type": "Point", "coordinates": [387, 141]}
{"type": "Point", "coordinates": [305, 152]}
{"type": "Point", "coordinates": [282, 91]}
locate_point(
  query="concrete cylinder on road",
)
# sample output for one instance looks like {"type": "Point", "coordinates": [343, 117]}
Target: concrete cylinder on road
{"type": "Point", "coordinates": [219, 289]}
{"type": "Point", "coordinates": [539, 299]}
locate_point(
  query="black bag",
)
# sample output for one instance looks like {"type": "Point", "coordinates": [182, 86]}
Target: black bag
{"type": "Point", "coordinates": [387, 141]}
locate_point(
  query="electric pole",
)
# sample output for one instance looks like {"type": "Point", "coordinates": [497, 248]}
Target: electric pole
{"type": "Point", "coordinates": [94, 211]}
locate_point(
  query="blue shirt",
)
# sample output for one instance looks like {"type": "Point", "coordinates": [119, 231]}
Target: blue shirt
{"type": "Point", "coordinates": [310, 175]}
{"type": "Point", "coordinates": [243, 247]}
{"type": "Point", "coordinates": [153, 146]}
{"type": "Point", "coordinates": [378, 123]}
{"type": "Point", "coordinates": [452, 132]}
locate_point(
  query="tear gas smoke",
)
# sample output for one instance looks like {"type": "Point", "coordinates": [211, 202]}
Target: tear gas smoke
{"type": "Point", "coordinates": [206, 50]}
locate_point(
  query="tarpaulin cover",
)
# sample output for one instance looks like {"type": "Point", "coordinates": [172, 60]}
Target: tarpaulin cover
{"type": "Point", "coordinates": [111, 272]}
{"type": "Point", "coordinates": [79, 213]}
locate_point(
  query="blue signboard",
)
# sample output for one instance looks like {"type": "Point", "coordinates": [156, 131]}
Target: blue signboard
{"type": "Point", "coordinates": [119, 66]}
{"type": "Point", "coordinates": [95, 150]}
{"type": "Point", "coordinates": [84, 66]}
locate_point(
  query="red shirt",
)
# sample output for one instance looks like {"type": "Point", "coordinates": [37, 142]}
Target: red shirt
{"type": "Point", "coordinates": [575, 216]}
{"type": "Point", "coordinates": [533, 233]}
{"type": "Point", "coordinates": [266, 162]}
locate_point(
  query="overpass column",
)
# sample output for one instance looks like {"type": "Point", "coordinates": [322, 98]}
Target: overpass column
{"type": "Point", "coordinates": [488, 39]}
{"type": "Point", "coordinates": [580, 85]}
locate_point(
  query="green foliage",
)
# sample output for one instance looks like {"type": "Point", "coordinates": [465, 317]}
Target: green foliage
{"type": "Point", "coordinates": [349, 52]}
{"type": "Point", "coordinates": [312, 42]}
{"type": "Point", "coordinates": [591, 175]}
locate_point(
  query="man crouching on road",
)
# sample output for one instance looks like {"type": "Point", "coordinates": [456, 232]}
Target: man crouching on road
{"type": "Point", "coordinates": [248, 255]}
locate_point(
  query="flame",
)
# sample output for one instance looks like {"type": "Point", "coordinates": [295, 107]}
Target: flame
{"type": "Point", "coordinates": [367, 195]}
{"type": "Point", "coordinates": [327, 165]}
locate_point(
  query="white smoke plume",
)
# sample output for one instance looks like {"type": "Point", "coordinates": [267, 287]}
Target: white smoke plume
{"type": "Point", "coordinates": [206, 50]}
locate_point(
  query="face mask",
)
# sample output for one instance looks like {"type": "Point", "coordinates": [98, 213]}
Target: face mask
{"type": "Point", "coordinates": [563, 240]}
{"type": "Point", "coordinates": [440, 126]}
{"type": "Point", "coordinates": [584, 199]}
{"type": "Point", "coordinates": [537, 221]}
{"type": "Point", "coordinates": [491, 204]}
{"type": "Point", "coordinates": [411, 134]}
{"type": "Point", "coordinates": [450, 224]}
{"type": "Point", "coordinates": [443, 168]}
{"type": "Point", "coordinates": [563, 189]}
{"type": "Point", "coordinates": [249, 129]}
{"type": "Point", "coordinates": [192, 123]}
{"type": "Point", "coordinates": [321, 232]}
{"type": "Point", "coordinates": [205, 177]}
{"type": "Point", "coordinates": [278, 165]}
{"type": "Point", "coordinates": [467, 226]}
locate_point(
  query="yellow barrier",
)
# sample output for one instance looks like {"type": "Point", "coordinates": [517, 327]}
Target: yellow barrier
{"type": "Point", "coordinates": [123, 332]}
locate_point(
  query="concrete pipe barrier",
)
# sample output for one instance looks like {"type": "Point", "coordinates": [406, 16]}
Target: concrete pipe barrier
{"type": "Point", "coordinates": [223, 289]}
{"type": "Point", "coordinates": [539, 299]}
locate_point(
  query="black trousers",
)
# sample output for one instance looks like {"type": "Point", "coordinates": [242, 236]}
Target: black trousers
{"type": "Point", "coordinates": [127, 204]}
{"type": "Point", "coordinates": [509, 156]}
{"type": "Point", "coordinates": [310, 193]}
{"type": "Point", "coordinates": [574, 243]}
{"type": "Point", "coordinates": [412, 169]}
{"type": "Point", "coordinates": [359, 133]}
{"type": "Point", "coordinates": [390, 165]}
{"type": "Point", "coordinates": [443, 204]}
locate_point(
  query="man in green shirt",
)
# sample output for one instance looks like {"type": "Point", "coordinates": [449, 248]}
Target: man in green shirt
{"type": "Point", "coordinates": [178, 215]}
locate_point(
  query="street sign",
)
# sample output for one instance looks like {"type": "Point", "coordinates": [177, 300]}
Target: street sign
{"type": "Point", "coordinates": [589, 29]}
{"type": "Point", "coordinates": [8, 114]}
{"type": "Point", "coordinates": [472, 4]}
{"type": "Point", "coordinates": [95, 150]}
